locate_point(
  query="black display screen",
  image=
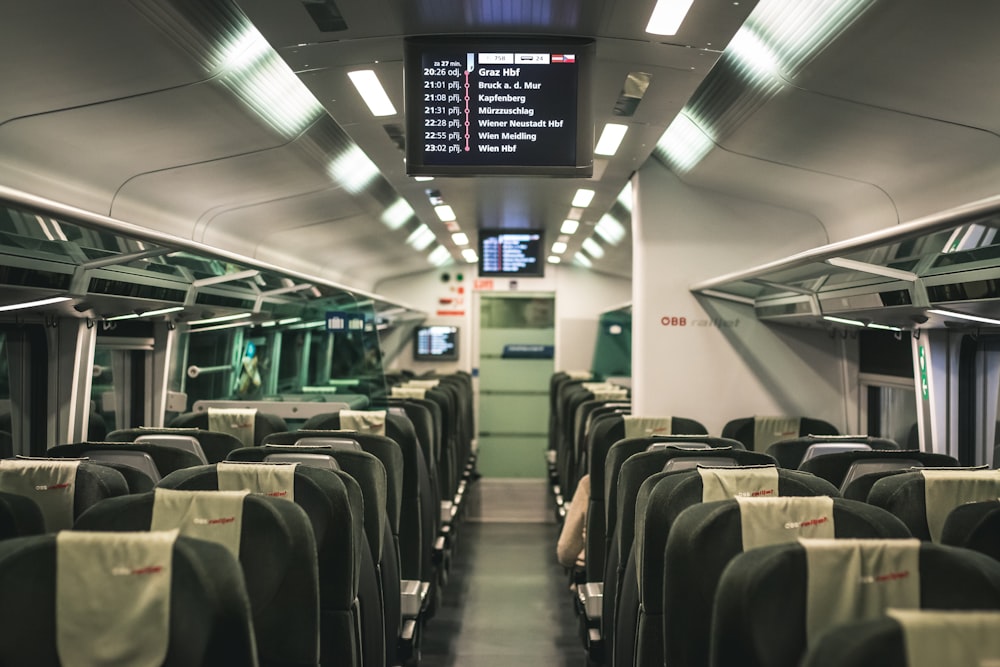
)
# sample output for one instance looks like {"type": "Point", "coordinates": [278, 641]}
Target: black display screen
{"type": "Point", "coordinates": [511, 252]}
{"type": "Point", "coordinates": [515, 107]}
{"type": "Point", "coordinates": [436, 343]}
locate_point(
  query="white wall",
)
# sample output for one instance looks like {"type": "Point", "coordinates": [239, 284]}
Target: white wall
{"type": "Point", "coordinates": [720, 362]}
{"type": "Point", "coordinates": [581, 296]}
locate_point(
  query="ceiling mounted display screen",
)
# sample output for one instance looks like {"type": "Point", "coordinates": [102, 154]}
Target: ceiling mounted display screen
{"type": "Point", "coordinates": [498, 107]}
{"type": "Point", "coordinates": [511, 253]}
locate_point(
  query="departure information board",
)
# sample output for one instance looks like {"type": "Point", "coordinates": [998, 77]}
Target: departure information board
{"type": "Point", "coordinates": [436, 343]}
{"type": "Point", "coordinates": [510, 253]}
{"type": "Point", "coordinates": [482, 108]}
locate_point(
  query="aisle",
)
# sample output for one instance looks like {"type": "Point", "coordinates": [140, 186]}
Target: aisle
{"type": "Point", "coordinates": [506, 604]}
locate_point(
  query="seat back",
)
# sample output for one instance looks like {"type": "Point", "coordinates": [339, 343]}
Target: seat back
{"type": "Point", "coordinates": [187, 443]}
{"type": "Point", "coordinates": [974, 526]}
{"type": "Point", "coordinates": [214, 445]}
{"type": "Point", "coordinates": [702, 539]}
{"type": "Point", "coordinates": [274, 545]}
{"type": "Point", "coordinates": [315, 460]}
{"type": "Point", "coordinates": [791, 453]}
{"type": "Point", "coordinates": [209, 622]}
{"type": "Point", "coordinates": [264, 424]}
{"type": "Point", "coordinates": [140, 461]}
{"type": "Point", "coordinates": [19, 517]}
{"type": "Point", "coordinates": [774, 601]}
{"type": "Point", "coordinates": [166, 459]}
{"type": "Point", "coordinates": [346, 444]}
{"type": "Point", "coordinates": [922, 499]}
{"type": "Point", "coordinates": [759, 432]}
{"type": "Point", "coordinates": [334, 504]}
{"type": "Point", "coordinates": [61, 491]}
{"type": "Point", "coordinates": [834, 467]}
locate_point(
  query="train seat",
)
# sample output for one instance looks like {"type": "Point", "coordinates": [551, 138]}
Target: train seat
{"type": "Point", "coordinates": [775, 601]}
{"type": "Point", "coordinates": [19, 517]}
{"type": "Point", "coordinates": [704, 537]}
{"type": "Point", "coordinates": [166, 459]}
{"type": "Point", "coordinates": [273, 541]}
{"type": "Point", "coordinates": [215, 446]}
{"type": "Point", "coordinates": [61, 489]}
{"type": "Point", "coordinates": [382, 600]}
{"type": "Point", "coordinates": [922, 499]}
{"type": "Point", "coordinates": [759, 432]}
{"type": "Point", "coordinates": [657, 502]}
{"type": "Point", "coordinates": [141, 462]}
{"type": "Point", "coordinates": [333, 502]}
{"type": "Point", "coordinates": [842, 468]}
{"type": "Point", "coordinates": [911, 638]}
{"type": "Point", "coordinates": [625, 471]}
{"type": "Point", "coordinates": [974, 526]}
{"type": "Point", "coordinates": [305, 458]}
{"type": "Point", "coordinates": [793, 452]}
{"type": "Point", "coordinates": [264, 424]}
{"type": "Point", "coordinates": [188, 443]}
{"type": "Point", "coordinates": [6, 445]}
{"type": "Point", "coordinates": [208, 621]}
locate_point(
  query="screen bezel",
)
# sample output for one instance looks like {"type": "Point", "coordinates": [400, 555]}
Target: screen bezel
{"type": "Point", "coordinates": [450, 356]}
{"type": "Point", "coordinates": [537, 271]}
{"type": "Point", "coordinates": [583, 49]}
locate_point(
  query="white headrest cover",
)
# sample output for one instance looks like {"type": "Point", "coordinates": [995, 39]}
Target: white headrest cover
{"type": "Point", "coordinates": [49, 483]}
{"type": "Point", "coordinates": [276, 480]}
{"type": "Point", "coordinates": [216, 516]}
{"type": "Point", "coordinates": [363, 422]}
{"type": "Point", "coordinates": [766, 521]}
{"type": "Point", "coordinates": [746, 481]}
{"type": "Point", "coordinates": [936, 638]}
{"type": "Point", "coordinates": [944, 490]}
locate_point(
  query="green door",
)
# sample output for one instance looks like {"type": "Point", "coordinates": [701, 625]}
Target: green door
{"type": "Point", "coordinates": [516, 337]}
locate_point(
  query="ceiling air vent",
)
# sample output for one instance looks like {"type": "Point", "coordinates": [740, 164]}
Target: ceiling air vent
{"type": "Point", "coordinates": [135, 290]}
{"type": "Point", "coordinates": [24, 277]}
{"type": "Point", "coordinates": [209, 299]}
{"type": "Point", "coordinates": [777, 310]}
{"type": "Point", "coordinates": [899, 297]}
{"type": "Point", "coordinates": [965, 291]}
{"type": "Point", "coordinates": [325, 14]}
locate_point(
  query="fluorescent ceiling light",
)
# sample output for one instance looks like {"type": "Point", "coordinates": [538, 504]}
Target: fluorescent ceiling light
{"type": "Point", "coordinates": [162, 311]}
{"type": "Point", "coordinates": [221, 318]}
{"type": "Point", "coordinates": [459, 238]}
{"type": "Point", "coordinates": [421, 237]}
{"type": "Point", "coordinates": [569, 226]}
{"type": "Point", "coordinates": [554, 259]}
{"type": "Point", "coordinates": [439, 256]}
{"type": "Point", "coordinates": [470, 255]}
{"type": "Point", "coordinates": [34, 304]}
{"type": "Point", "coordinates": [396, 215]}
{"type": "Point", "coordinates": [118, 318]}
{"type": "Point", "coordinates": [558, 248]}
{"type": "Point", "coordinates": [883, 327]}
{"type": "Point", "coordinates": [423, 178]}
{"type": "Point", "coordinates": [611, 139]}
{"type": "Point", "coordinates": [667, 16]}
{"type": "Point", "coordinates": [609, 229]}
{"type": "Point", "coordinates": [353, 170]}
{"type": "Point", "coordinates": [583, 198]}
{"type": "Point", "coordinates": [963, 316]}
{"type": "Point", "coordinates": [841, 320]}
{"type": "Point", "coordinates": [625, 196]}
{"type": "Point", "coordinates": [372, 92]}
{"type": "Point", "coordinates": [289, 320]}
{"type": "Point", "coordinates": [593, 248]}
{"type": "Point", "coordinates": [229, 325]}
{"type": "Point", "coordinates": [445, 213]}
{"type": "Point", "coordinates": [582, 260]}
{"type": "Point", "coordinates": [684, 143]}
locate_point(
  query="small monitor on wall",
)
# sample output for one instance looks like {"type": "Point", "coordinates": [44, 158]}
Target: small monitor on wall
{"type": "Point", "coordinates": [511, 253]}
{"type": "Point", "coordinates": [435, 343]}
{"type": "Point", "coordinates": [498, 106]}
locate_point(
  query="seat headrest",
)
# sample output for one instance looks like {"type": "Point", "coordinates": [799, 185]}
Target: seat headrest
{"type": "Point", "coordinates": [216, 516]}
{"type": "Point", "coordinates": [733, 482]}
{"type": "Point", "coordinates": [49, 483]}
{"type": "Point", "coordinates": [275, 480]}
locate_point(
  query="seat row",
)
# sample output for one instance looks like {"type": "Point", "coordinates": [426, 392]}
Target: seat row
{"type": "Point", "coordinates": [389, 530]}
{"type": "Point", "coordinates": [666, 580]}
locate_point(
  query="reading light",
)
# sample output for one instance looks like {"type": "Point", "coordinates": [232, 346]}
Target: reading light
{"type": "Point", "coordinates": [34, 304]}
{"type": "Point", "coordinates": [667, 16]}
{"type": "Point", "coordinates": [470, 255]}
{"type": "Point", "coordinates": [569, 226]}
{"type": "Point", "coordinates": [593, 248]}
{"type": "Point", "coordinates": [611, 139]}
{"type": "Point", "coordinates": [221, 318]}
{"type": "Point", "coordinates": [558, 248]}
{"type": "Point", "coordinates": [583, 198]}
{"type": "Point", "coordinates": [554, 259]}
{"type": "Point", "coordinates": [439, 256]}
{"type": "Point", "coordinates": [841, 320]}
{"type": "Point", "coordinates": [582, 260]}
{"type": "Point", "coordinates": [445, 212]}
{"type": "Point", "coordinates": [372, 92]}
{"type": "Point", "coordinates": [459, 238]}
{"type": "Point", "coordinates": [963, 316]}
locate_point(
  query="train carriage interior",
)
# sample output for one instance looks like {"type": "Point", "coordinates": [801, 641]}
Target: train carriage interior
{"type": "Point", "coordinates": [635, 333]}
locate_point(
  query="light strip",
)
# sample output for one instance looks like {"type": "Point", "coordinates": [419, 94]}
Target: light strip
{"type": "Point", "coordinates": [625, 196]}
{"type": "Point", "coordinates": [883, 327]}
{"type": "Point", "coordinates": [611, 139]}
{"type": "Point", "coordinates": [119, 318]}
{"type": "Point", "coordinates": [554, 259]}
{"type": "Point", "coordinates": [582, 260]}
{"type": "Point", "coordinates": [569, 226]}
{"type": "Point", "coordinates": [353, 170]}
{"type": "Point", "coordinates": [583, 198]}
{"type": "Point", "coordinates": [229, 325]}
{"type": "Point", "coordinates": [667, 16]}
{"type": "Point", "coordinates": [874, 269]}
{"type": "Point", "coordinates": [841, 320]}
{"type": "Point", "coordinates": [963, 316]}
{"type": "Point", "coordinates": [34, 304]}
{"type": "Point", "coordinates": [221, 318]}
{"type": "Point", "coordinates": [593, 248]}
{"type": "Point", "coordinates": [558, 248]}
{"type": "Point", "coordinates": [470, 255]}
{"type": "Point", "coordinates": [439, 256]}
{"type": "Point", "coordinates": [460, 238]}
{"type": "Point", "coordinates": [162, 311]}
{"type": "Point", "coordinates": [684, 143]}
{"type": "Point", "coordinates": [420, 238]}
{"type": "Point", "coordinates": [445, 212]}
{"type": "Point", "coordinates": [372, 92]}
{"type": "Point", "coordinates": [396, 215]}
{"type": "Point", "coordinates": [609, 229]}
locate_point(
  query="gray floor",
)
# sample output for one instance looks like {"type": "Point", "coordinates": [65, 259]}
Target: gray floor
{"type": "Point", "coordinates": [507, 602]}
